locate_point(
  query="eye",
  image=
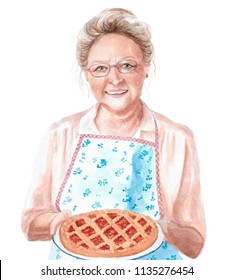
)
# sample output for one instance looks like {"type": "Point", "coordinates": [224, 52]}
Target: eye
{"type": "Point", "coordinates": [128, 66]}
{"type": "Point", "coordinates": [99, 68]}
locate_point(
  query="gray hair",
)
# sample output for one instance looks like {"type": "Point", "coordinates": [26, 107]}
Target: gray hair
{"type": "Point", "coordinates": [119, 21]}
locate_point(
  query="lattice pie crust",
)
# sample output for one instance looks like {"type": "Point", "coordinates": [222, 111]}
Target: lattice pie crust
{"type": "Point", "coordinates": [108, 233]}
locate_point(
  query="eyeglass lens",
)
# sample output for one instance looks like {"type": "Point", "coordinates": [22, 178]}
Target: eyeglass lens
{"type": "Point", "coordinates": [102, 69]}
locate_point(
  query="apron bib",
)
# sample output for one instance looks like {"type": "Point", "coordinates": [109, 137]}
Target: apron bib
{"type": "Point", "coordinates": [109, 172]}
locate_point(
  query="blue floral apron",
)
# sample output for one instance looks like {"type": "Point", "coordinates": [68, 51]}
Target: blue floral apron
{"type": "Point", "coordinates": [109, 172]}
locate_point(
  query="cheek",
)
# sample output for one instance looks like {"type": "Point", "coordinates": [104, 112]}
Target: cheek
{"type": "Point", "coordinates": [137, 82]}
{"type": "Point", "coordinates": [96, 86]}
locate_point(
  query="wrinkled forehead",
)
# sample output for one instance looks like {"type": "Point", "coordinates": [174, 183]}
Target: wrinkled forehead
{"type": "Point", "coordinates": [112, 48]}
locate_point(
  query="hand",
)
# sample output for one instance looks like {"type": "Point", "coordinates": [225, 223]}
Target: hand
{"type": "Point", "coordinates": [164, 225]}
{"type": "Point", "coordinates": [58, 220]}
{"type": "Point", "coordinates": [44, 226]}
{"type": "Point", "coordinates": [184, 237]}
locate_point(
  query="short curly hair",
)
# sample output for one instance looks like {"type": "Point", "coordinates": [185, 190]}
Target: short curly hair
{"type": "Point", "coordinates": [114, 20]}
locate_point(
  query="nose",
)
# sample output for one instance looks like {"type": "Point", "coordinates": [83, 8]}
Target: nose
{"type": "Point", "coordinates": [114, 76]}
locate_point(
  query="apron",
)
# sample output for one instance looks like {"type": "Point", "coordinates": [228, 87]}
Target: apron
{"type": "Point", "coordinates": [111, 172]}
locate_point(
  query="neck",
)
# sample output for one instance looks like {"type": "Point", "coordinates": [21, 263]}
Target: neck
{"type": "Point", "coordinates": [124, 123]}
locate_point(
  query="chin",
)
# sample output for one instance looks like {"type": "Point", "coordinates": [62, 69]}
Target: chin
{"type": "Point", "coordinates": [120, 105]}
{"type": "Point", "coordinates": [118, 108]}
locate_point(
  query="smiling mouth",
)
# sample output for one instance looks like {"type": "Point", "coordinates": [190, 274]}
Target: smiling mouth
{"type": "Point", "coordinates": [116, 92]}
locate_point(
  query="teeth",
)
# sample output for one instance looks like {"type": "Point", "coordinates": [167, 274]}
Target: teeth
{"type": "Point", "coordinates": [116, 92]}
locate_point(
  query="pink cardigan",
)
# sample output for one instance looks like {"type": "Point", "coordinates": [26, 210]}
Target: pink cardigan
{"type": "Point", "coordinates": [179, 171]}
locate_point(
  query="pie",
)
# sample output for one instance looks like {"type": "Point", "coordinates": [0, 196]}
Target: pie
{"type": "Point", "coordinates": [108, 233]}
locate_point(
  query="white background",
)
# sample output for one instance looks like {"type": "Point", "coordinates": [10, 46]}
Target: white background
{"type": "Point", "coordinates": [193, 86]}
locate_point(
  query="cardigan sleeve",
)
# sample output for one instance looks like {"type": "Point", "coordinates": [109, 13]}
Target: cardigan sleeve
{"type": "Point", "coordinates": [181, 188]}
{"type": "Point", "coordinates": [187, 202]}
{"type": "Point", "coordinates": [40, 217]}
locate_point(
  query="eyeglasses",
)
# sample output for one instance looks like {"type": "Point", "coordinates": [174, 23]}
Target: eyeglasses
{"type": "Point", "coordinates": [102, 69]}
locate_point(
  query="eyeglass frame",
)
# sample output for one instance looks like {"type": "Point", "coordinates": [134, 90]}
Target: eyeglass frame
{"type": "Point", "coordinates": [114, 65]}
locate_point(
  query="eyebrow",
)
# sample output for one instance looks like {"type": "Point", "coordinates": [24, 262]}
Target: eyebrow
{"type": "Point", "coordinates": [107, 62]}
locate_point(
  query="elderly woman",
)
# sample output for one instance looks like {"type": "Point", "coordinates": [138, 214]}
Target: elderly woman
{"type": "Point", "coordinates": [118, 154]}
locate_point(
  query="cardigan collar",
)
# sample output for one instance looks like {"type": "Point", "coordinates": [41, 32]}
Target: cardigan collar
{"type": "Point", "coordinates": [87, 124]}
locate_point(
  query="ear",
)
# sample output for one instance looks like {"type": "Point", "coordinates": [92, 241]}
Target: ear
{"type": "Point", "coordinates": [146, 71]}
{"type": "Point", "coordinates": [86, 74]}
{"type": "Point", "coordinates": [147, 67]}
